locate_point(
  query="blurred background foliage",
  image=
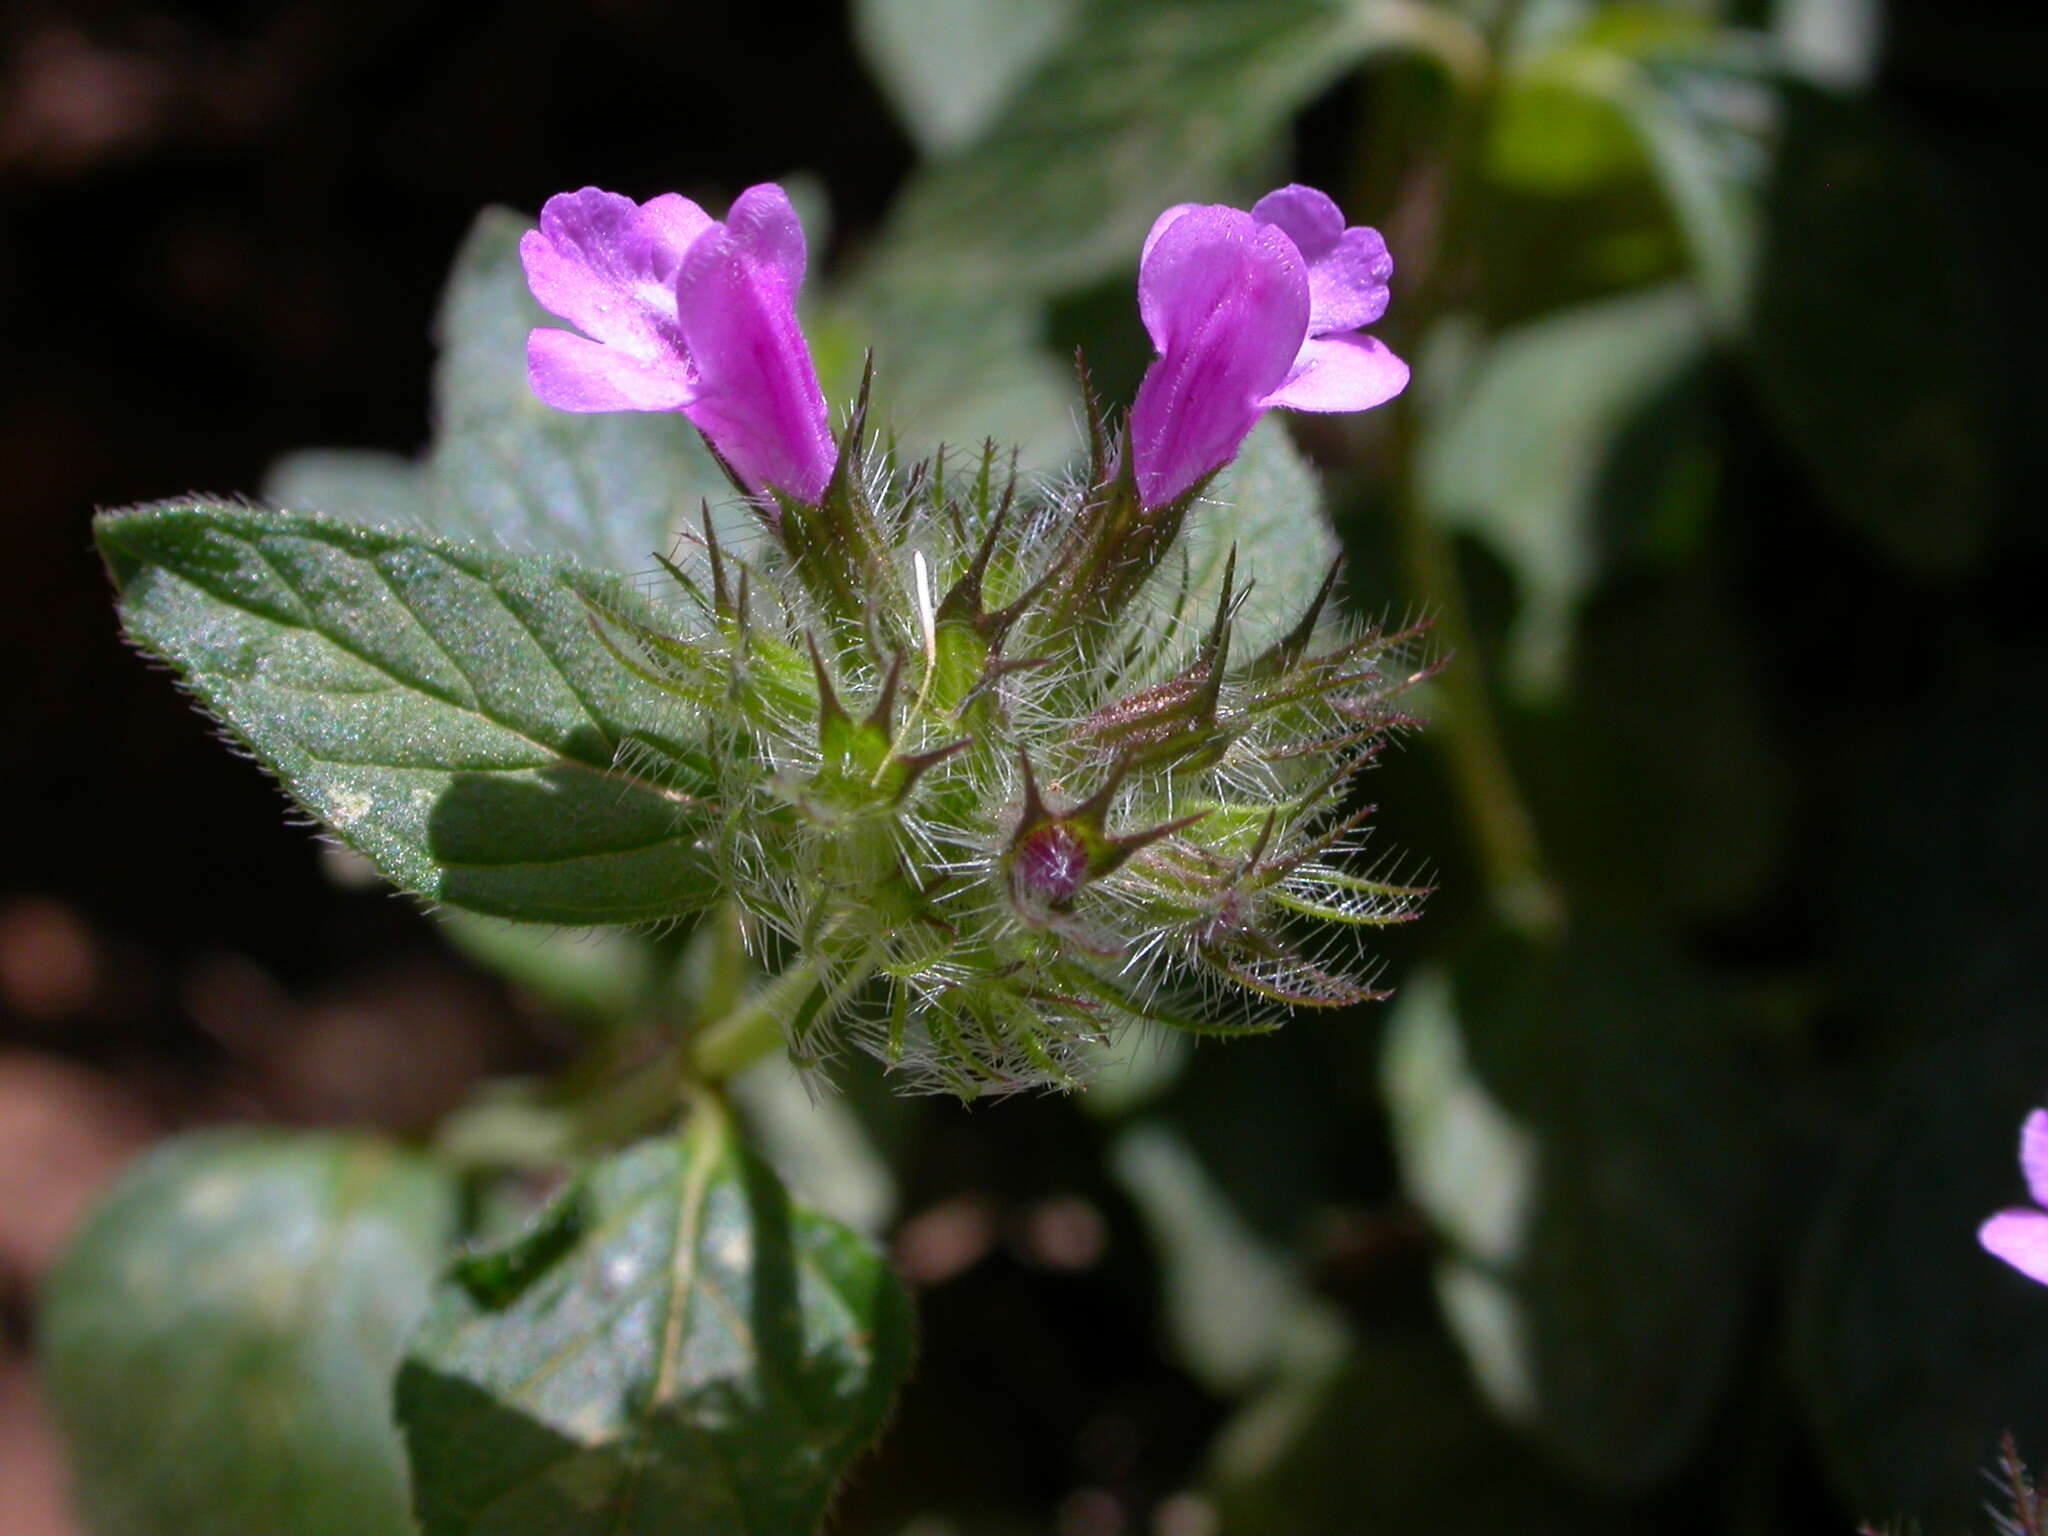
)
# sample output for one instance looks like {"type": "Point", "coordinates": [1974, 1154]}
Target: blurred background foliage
{"type": "Point", "coordinates": [1648, 1203]}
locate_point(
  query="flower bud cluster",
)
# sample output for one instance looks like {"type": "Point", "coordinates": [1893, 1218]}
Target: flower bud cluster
{"type": "Point", "coordinates": [981, 762]}
{"type": "Point", "coordinates": [1002, 789]}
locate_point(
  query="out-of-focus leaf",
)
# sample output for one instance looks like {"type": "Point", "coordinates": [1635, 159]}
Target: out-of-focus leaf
{"type": "Point", "coordinates": [950, 65]}
{"type": "Point", "coordinates": [1708, 119]}
{"type": "Point", "coordinates": [1832, 42]}
{"type": "Point", "coordinates": [1883, 373]}
{"type": "Point", "coordinates": [1145, 103]}
{"type": "Point", "coordinates": [1268, 506]}
{"type": "Point", "coordinates": [1234, 1306]}
{"type": "Point", "coordinates": [1913, 1349]}
{"type": "Point", "coordinates": [1939, 903]}
{"type": "Point", "coordinates": [449, 711]}
{"type": "Point", "coordinates": [1654, 778]}
{"type": "Point", "coordinates": [1387, 1437]}
{"type": "Point", "coordinates": [1548, 135]}
{"type": "Point", "coordinates": [219, 1341]}
{"type": "Point", "coordinates": [1133, 1069]}
{"type": "Point", "coordinates": [1886, 383]}
{"type": "Point", "coordinates": [815, 1141]}
{"type": "Point", "coordinates": [670, 1347]}
{"type": "Point", "coordinates": [362, 485]}
{"type": "Point", "coordinates": [602, 974]}
{"type": "Point", "coordinates": [1576, 1125]}
{"type": "Point", "coordinates": [1516, 456]}
{"type": "Point", "coordinates": [954, 370]}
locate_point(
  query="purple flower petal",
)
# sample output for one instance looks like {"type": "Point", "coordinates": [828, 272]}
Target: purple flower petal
{"type": "Point", "coordinates": [1225, 300]}
{"type": "Point", "coordinates": [1160, 225]}
{"type": "Point", "coordinates": [2021, 1239]}
{"type": "Point", "coordinates": [1347, 285]}
{"type": "Point", "coordinates": [765, 227]}
{"type": "Point", "coordinates": [1348, 269]}
{"type": "Point", "coordinates": [607, 265]}
{"type": "Point", "coordinates": [1309, 218]}
{"type": "Point", "coordinates": [757, 395]}
{"type": "Point", "coordinates": [573, 373]}
{"type": "Point", "coordinates": [2034, 1155]}
{"type": "Point", "coordinates": [1341, 373]}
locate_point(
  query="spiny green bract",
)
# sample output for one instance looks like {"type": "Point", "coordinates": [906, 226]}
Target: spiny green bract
{"type": "Point", "coordinates": [989, 769]}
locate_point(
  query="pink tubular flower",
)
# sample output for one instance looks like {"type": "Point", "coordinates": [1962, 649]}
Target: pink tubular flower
{"type": "Point", "coordinates": [680, 313]}
{"type": "Point", "coordinates": [2020, 1237]}
{"type": "Point", "coordinates": [1249, 311]}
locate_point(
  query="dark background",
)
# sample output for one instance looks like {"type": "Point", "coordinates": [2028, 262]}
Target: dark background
{"type": "Point", "coordinates": [222, 234]}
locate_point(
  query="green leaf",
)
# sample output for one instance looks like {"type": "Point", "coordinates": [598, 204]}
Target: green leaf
{"type": "Point", "coordinates": [1792, 198]}
{"type": "Point", "coordinates": [816, 1143]}
{"type": "Point", "coordinates": [956, 370]}
{"type": "Point", "coordinates": [1894, 404]}
{"type": "Point", "coordinates": [449, 711]}
{"type": "Point", "coordinates": [1648, 807]}
{"type": "Point", "coordinates": [218, 1342]}
{"type": "Point", "coordinates": [672, 1347]}
{"type": "Point", "coordinates": [603, 975]}
{"type": "Point", "coordinates": [1144, 104]}
{"type": "Point", "coordinates": [1269, 506]}
{"type": "Point", "coordinates": [1577, 1127]}
{"type": "Point", "coordinates": [1517, 455]}
{"type": "Point", "coordinates": [1913, 1349]}
{"type": "Point", "coordinates": [950, 65]}
{"type": "Point", "coordinates": [1235, 1307]}
{"type": "Point", "coordinates": [1387, 1436]}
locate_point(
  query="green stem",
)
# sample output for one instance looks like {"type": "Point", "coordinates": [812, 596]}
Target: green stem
{"type": "Point", "coordinates": [1498, 818]}
{"type": "Point", "coordinates": [761, 1024]}
{"type": "Point", "coordinates": [755, 1028]}
{"type": "Point", "coordinates": [1496, 814]}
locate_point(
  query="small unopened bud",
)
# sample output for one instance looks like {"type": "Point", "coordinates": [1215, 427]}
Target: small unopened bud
{"type": "Point", "coordinates": [1049, 865]}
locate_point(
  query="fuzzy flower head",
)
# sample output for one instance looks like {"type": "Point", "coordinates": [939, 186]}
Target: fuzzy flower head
{"type": "Point", "coordinates": [1249, 311]}
{"type": "Point", "coordinates": [680, 312]}
{"type": "Point", "coordinates": [2020, 1237]}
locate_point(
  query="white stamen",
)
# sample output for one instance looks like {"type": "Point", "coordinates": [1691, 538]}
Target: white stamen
{"type": "Point", "coordinates": [926, 617]}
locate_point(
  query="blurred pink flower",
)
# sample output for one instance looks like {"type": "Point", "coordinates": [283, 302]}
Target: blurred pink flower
{"type": "Point", "coordinates": [682, 313]}
{"type": "Point", "coordinates": [2020, 1237]}
{"type": "Point", "coordinates": [1249, 311]}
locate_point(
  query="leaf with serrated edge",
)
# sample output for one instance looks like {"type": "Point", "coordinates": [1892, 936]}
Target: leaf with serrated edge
{"type": "Point", "coordinates": [691, 1353]}
{"type": "Point", "coordinates": [448, 710]}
